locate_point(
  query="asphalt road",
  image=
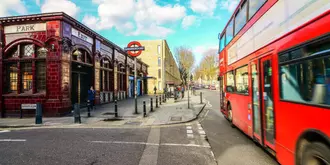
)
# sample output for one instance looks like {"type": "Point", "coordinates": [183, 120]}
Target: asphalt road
{"type": "Point", "coordinates": [229, 145]}
{"type": "Point", "coordinates": [111, 146]}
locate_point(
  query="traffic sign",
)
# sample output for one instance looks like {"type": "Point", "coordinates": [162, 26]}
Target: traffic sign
{"type": "Point", "coordinates": [134, 48]}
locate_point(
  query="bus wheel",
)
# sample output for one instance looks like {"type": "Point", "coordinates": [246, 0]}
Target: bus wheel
{"type": "Point", "coordinates": [230, 116]}
{"type": "Point", "coordinates": [316, 154]}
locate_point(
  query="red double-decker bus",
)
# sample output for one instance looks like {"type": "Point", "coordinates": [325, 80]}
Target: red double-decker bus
{"type": "Point", "coordinates": [275, 77]}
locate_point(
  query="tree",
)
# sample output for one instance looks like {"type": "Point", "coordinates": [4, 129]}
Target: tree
{"type": "Point", "coordinates": [208, 67]}
{"type": "Point", "coordinates": [185, 59]}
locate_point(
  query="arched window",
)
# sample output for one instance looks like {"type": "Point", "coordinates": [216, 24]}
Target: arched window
{"type": "Point", "coordinates": [82, 56]}
{"type": "Point", "coordinates": [25, 66]}
{"type": "Point", "coordinates": [105, 70]}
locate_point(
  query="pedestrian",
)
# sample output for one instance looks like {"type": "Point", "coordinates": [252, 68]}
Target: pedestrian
{"type": "Point", "coordinates": [91, 97]}
{"type": "Point", "coordinates": [182, 91]}
{"type": "Point", "coordinates": [155, 90]}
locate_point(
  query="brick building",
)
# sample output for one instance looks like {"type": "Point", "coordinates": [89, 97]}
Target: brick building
{"type": "Point", "coordinates": [53, 59]}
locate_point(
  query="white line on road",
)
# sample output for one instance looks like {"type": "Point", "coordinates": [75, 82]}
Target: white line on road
{"type": "Point", "coordinates": [201, 132]}
{"type": "Point", "coordinates": [152, 144]}
{"type": "Point", "coordinates": [189, 127]}
{"type": "Point", "coordinates": [12, 140]}
{"type": "Point", "coordinates": [4, 131]}
{"type": "Point", "coordinates": [190, 135]}
{"type": "Point", "coordinates": [189, 131]}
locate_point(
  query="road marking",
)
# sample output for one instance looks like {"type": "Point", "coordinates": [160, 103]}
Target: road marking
{"type": "Point", "coordinates": [12, 140]}
{"type": "Point", "coordinates": [190, 135]}
{"type": "Point", "coordinates": [189, 127]}
{"type": "Point", "coordinates": [201, 132]}
{"type": "Point", "coordinates": [151, 144]}
{"type": "Point", "coordinates": [189, 131]}
{"type": "Point", "coordinates": [4, 131]}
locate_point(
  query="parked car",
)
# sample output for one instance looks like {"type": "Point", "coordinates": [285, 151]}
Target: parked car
{"type": "Point", "coordinates": [206, 86]}
{"type": "Point", "coordinates": [212, 87]}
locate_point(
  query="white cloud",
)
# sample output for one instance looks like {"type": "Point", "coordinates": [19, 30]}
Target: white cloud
{"type": "Point", "coordinates": [229, 5]}
{"type": "Point", "coordinates": [188, 21]}
{"type": "Point", "coordinates": [149, 18]}
{"type": "Point", "coordinates": [66, 6]}
{"type": "Point", "coordinates": [203, 6]}
{"type": "Point", "coordinates": [16, 6]}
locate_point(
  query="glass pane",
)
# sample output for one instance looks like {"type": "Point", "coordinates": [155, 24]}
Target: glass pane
{"type": "Point", "coordinates": [255, 95]}
{"type": "Point", "coordinates": [240, 19]}
{"type": "Point", "coordinates": [13, 76]}
{"type": "Point", "coordinates": [230, 82]}
{"type": "Point", "coordinates": [159, 62]}
{"type": "Point", "coordinates": [307, 81]}
{"type": "Point", "coordinates": [254, 6]}
{"type": "Point", "coordinates": [242, 83]}
{"type": "Point", "coordinates": [268, 101]}
{"type": "Point", "coordinates": [28, 50]}
{"type": "Point", "coordinates": [229, 32]}
{"type": "Point", "coordinates": [222, 42]}
{"type": "Point", "coordinates": [14, 53]}
{"type": "Point", "coordinates": [26, 71]}
{"type": "Point", "coordinates": [41, 76]}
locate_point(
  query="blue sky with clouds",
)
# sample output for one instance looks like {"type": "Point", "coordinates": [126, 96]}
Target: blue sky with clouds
{"type": "Point", "coordinates": [192, 23]}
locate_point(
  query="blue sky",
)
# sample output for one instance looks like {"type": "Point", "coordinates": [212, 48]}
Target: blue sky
{"type": "Point", "coordinates": [192, 23]}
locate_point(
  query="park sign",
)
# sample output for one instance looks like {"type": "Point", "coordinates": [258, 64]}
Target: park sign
{"type": "Point", "coordinates": [134, 48]}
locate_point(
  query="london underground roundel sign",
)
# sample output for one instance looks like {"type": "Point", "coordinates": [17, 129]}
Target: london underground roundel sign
{"type": "Point", "coordinates": [134, 48]}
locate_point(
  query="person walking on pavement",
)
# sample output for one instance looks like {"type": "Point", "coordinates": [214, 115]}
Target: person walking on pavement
{"type": "Point", "coordinates": [91, 97]}
{"type": "Point", "coordinates": [182, 91]}
{"type": "Point", "coordinates": [155, 90]}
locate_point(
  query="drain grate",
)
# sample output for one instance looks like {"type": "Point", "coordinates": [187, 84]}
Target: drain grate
{"type": "Point", "coordinates": [176, 118]}
{"type": "Point", "coordinates": [133, 123]}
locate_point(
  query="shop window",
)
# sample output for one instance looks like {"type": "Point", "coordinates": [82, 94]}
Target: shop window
{"type": "Point", "coordinates": [27, 50]}
{"type": "Point", "coordinates": [26, 73]}
{"type": "Point", "coordinates": [41, 76]}
{"type": "Point", "coordinates": [242, 83]}
{"type": "Point", "coordinates": [230, 86]}
{"type": "Point", "coordinates": [13, 77]}
{"type": "Point", "coordinates": [305, 74]}
{"type": "Point", "coordinates": [21, 70]}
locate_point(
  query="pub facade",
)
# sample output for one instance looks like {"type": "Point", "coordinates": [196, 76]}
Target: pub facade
{"type": "Point", "coordinates": [53, 59]}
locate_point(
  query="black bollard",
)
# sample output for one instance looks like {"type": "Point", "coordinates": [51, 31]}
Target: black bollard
{"type": "Point", "coordinates": [116, 109]}
{"type": "Point", "coordinates": [165, 98]}
{"type": "Point", "coordinates": [160, 100]}
{"type": "Point", "coordinates": [144, 109]}
{"type": "Point", "coordinates": [151, 106]}
{"type": "Point", "coordinates": [76, 114]}
{"type": "Point", "coordinates": [39, 114]}
{"type": "Point", "coordinates": [88, 108]}
{"type": "Point", "coordinates": [156, 101]}
{"type": "Point", "coordinates": [201, 97]}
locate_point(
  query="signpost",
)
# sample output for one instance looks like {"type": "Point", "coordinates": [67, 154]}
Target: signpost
{"type": "Point", "coordinates": [134, 49]}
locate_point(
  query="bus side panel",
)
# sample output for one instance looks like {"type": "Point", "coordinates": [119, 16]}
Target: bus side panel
{"type": "Point", "coordinates": [293, 119]}
{"type": "Point", "coordinates": [239, 104]}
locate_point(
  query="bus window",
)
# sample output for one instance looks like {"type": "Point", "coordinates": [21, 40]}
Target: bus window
{"type": "Point", "coordinates": [254, 6]}
{"type": "Point", "coordinates": [307, 80]}
{"type": "Point", "coordinates": [229, 32]}
{"type": "Point", "coordinates": [222, 43]}
{"type": "Point", "coordinates": [240, 18]}
{"type": "Point", "coordinates": [230, 86]}
{"type": "Point", "coordinates": [242, 83]}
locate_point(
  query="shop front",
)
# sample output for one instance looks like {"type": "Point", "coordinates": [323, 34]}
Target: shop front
{"type": "Point", "coordinates": [54, 60]}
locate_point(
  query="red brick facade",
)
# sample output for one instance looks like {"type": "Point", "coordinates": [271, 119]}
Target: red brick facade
{"type": "Point", "coordinates": [62, 36]}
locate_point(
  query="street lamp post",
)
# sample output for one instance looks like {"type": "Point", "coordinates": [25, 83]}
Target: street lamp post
{"type": "Point", "coordinates": [135, 86]}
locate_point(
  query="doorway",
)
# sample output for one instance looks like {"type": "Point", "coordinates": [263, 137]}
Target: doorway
{"type": "Point", "coordinates": [262, 101]}
{"type": "Point", "coordinates": [82, 80]}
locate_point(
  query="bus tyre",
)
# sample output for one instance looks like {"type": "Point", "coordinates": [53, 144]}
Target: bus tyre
{"type": "Point", "coordinates": [316, 154]}
{"type": "Point", "coordinates": [230, 116]}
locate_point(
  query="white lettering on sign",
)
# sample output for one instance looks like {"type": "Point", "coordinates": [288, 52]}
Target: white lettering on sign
{"type": "Point", "coordinates": [29, 106]}
{"type": "Point", "coordinates": [25, 28]}
{"type": "Point", "coordinates": [81, 35]}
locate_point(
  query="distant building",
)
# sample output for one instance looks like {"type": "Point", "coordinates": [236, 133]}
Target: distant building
{"type": "Point", "coordinates": [163, 69]}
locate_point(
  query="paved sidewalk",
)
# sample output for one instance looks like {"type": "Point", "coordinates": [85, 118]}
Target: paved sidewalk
{"type": "Point", "coordinates": [103, 116]}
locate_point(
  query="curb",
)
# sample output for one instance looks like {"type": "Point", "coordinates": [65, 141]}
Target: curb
{"type": "Point", "coordinates": [182, 122]}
